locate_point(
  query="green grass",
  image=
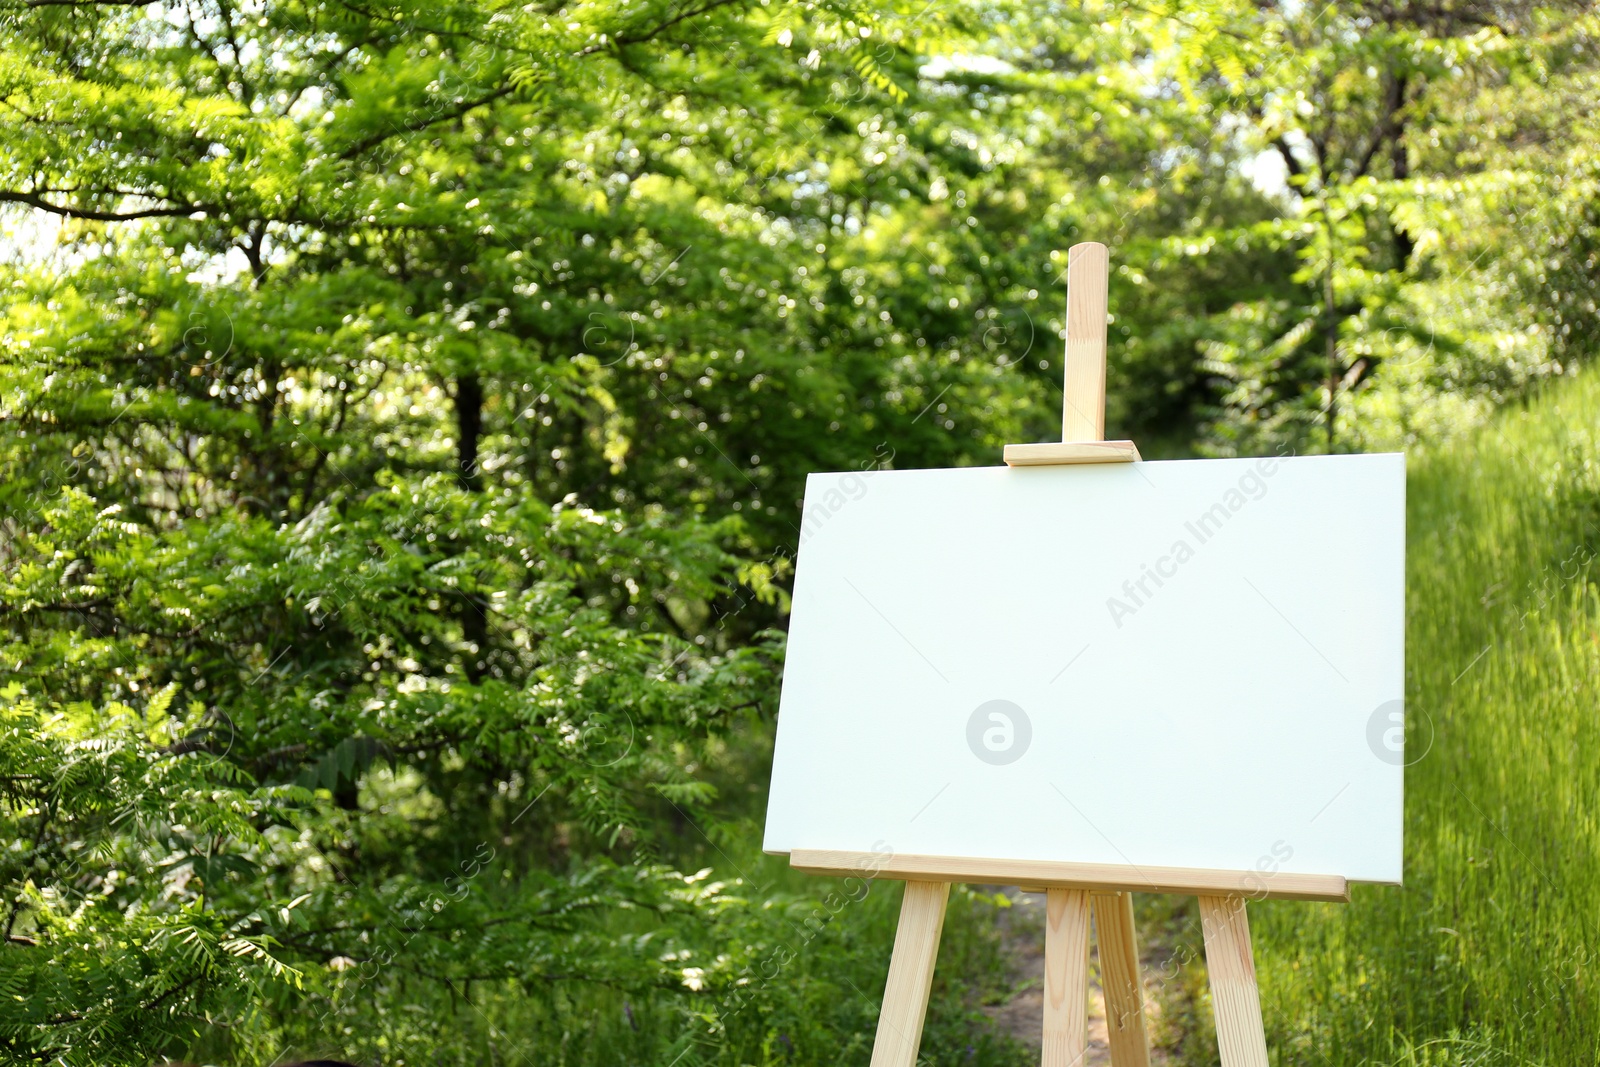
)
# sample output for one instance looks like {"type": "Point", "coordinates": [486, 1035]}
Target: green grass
{"type": "Point", "coordinates": [1486, 955]}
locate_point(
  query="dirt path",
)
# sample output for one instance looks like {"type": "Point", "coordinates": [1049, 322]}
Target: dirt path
{"type": "Point", "coordinates": [1022, 938]}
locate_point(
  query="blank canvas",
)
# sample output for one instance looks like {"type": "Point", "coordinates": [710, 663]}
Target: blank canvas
{"type": "Point", "coordinates": [1182, 664]}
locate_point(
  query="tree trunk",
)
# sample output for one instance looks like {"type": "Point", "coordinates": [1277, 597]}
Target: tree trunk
{"type": "Point", "coordinates": [1399, 169]}
{"type": "Point", "coordinates": [469, 428]}
{"type": "Point", "coordinates": [1331, 339]}
{"type": "Point", "coordinates": [1400, 165]}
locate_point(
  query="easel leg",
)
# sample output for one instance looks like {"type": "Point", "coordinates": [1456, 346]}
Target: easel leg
{"type": "Point", "coordinates": [1235, 999]}
{"type": "Point", "coordinates": [905, 998]}
{"type": "Point", "coordinates": [1119, 977]}
{"type": "Point", "coordinates": [1066, 978]}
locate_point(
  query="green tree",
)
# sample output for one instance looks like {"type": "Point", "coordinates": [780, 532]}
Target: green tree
{"type": "Point", "coordinates": [422, 396]}
{"type": "Point", "coordinates": [1410, 188]}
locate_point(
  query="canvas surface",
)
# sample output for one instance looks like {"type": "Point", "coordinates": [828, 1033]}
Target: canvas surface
{"type": "Point", "coordinates": [1182, 664]}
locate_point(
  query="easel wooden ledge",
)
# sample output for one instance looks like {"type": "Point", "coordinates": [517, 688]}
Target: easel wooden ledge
{"type": "Point", "coordinates": [1042, 875]}
{"type": "Point", "coordinates": [1071, 888]}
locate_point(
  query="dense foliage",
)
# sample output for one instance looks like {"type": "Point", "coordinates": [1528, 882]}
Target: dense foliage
{"type": "Point", "coordinates": [404, 410]}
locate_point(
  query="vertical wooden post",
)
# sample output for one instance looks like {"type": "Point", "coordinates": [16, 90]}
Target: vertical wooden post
{"type": "Point", "coordinates": [1235, 998]}
{"type": "Point", "coordinates": [905, 997]}
{"type": "Point", "coordinates": [1119, 979]}
{"type": "Point", "coordinates": [1083, 408]}
{"type": "Point", "coordinates": [1066, 978]}
{"type": "Point", "coordinates": [1083, 418]}
{"type": "Point", "coordinates": [1083, 394]}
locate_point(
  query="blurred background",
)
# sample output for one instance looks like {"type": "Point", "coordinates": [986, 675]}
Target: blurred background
{"type": "Point", "coordinates": [405, 409]}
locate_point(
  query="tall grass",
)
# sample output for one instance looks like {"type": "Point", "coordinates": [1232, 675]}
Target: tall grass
{"type": "Point", "coordinates": [1487, 954]}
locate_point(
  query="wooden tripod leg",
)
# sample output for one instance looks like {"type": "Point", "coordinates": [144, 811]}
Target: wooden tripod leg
{"type": "Point", "coordinates": [905, 998]}
{"type": "Point", "coordinates": [1066, 978]}
{"type": "Point", "coordinates": [1235, 999]}
{"type": "Point", "coordinates": [1119, 978]}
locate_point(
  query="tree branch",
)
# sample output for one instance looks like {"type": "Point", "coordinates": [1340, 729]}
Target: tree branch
{"type": "Point", "coordinates": [422, 122]}
{"type": "Point", "coordinates": [89, 3]}
{"type": "Point", "coordinates": [1388, 125]}
{"type": "Point", "coordinates": [91, 215]}
{"type": "Point", "coordinates": [1289, 161]}
{"type": "Point", "coordinates": [624, 39]}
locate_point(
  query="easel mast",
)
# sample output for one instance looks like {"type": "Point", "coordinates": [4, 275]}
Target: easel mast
{"type": "Point", "coordinates": [1073, 889]}
{"type": "Point", "coordinates": [1083, 387]}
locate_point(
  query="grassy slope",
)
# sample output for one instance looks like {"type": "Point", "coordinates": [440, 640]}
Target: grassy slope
{"type": "Point", "coordinates": [1485, 956]}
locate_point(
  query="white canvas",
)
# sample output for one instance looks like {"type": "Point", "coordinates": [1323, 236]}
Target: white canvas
{"type": "Point", "coordinates": [1208, 656]}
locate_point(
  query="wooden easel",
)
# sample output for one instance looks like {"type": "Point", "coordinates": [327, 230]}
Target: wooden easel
{"type": "Point", "coordinates": [1072, 889]}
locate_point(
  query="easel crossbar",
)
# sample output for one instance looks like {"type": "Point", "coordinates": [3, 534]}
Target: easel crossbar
{"type": "Point", "coordinates": [1098, 877]}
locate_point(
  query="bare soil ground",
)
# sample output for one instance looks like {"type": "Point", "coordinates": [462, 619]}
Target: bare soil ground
{"type": "Point", "coordinates": [1022, 935]}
